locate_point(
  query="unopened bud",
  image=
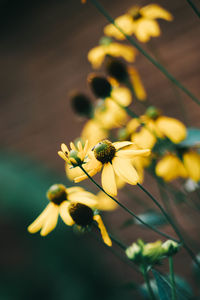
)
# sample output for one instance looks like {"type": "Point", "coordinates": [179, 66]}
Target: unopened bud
{"type": "Point", "coordinates": [170, 247]}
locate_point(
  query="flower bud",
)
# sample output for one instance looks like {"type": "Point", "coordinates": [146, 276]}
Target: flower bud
{"type": "Point", "coordinates": [152, 112]}
{"type": "Point", "coordinates": [170, 247]}
{"type": "Point", "coordinates": [153, 252]}
{"type": "Point", "coordinates": [100, 86]}
{"type": "Point", "coordinates": [133, 252]}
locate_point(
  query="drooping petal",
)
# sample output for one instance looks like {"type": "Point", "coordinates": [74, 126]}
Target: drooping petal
{"type": "Point", "coordinates": [108, 179]}
{"type": "Point", "coordinates": [132, 153]}
{"type": "Point", "coordinates": [137, 84]}
{"type": "Point", "coordinates": [96, 56]}
{"type": "Point", "coordinates": [38, 223]}
{"type": "Point", "coordinates": [124, 22]}
{"type": "Point", "coordinates": [103, 230]}
{"type": "Point", "coordinates": [125, 170]}
{"type": "Point", "coordinates": [154, 11]}
{"type": "Point", "coordinates": [119, 145]}
{"type": "Point", "coordinates": [116, 50]}
{"type": "Point", "coordinates": [105, 202]}
{"type": "Point", "coordinates": [146, 29]}
{"type": "Point", "coordinates": [64, 213]}
{"type": "Point", "coordinates": [74, 189]}
{"type": "Point", "coordinates": [172, 128]}
{"type": "Point", "coordinates": [51, 221]}
{"type": "Point", "coordinates": [122, 95]}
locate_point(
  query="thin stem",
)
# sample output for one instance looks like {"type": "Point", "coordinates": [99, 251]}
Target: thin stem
{"type": "Point", "coordinates": [128, 210]}
{"type": "Point", "coordinates": [171, 222]}
{"type": "Point", "coordinates": [172, 280]}
{"type": "Point", "coordinates": [149, 57]}
{"type": "Point", "coordinates": [194, 8]}
{"type": "Point", "coordinates": [147, 281]}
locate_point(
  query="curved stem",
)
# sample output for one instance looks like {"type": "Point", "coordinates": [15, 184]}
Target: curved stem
{"type": "Point", "coordinates": [171, 222]}
{"type": "Point", "coordinates": [172, 280]}
{"type": "Point", "coordinates": [147, 281]}
{"type": "Point", "coordinates": [149, 57]}
{"type": "Point", "coordinates": [128, 210]}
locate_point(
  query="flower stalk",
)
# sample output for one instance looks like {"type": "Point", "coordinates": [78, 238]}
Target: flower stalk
{"type": "Point", "coordinates": [172, 279]}
{"type": "Point", "coordinates": [147, 281]}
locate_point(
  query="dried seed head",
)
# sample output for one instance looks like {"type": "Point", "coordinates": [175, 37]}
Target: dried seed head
{"type": "Point", "coordinates": [100, 86]}
{"type": "Point", "coordinates": [117, 69]}
{"type": "Point", "coordinates": [81, 104]}
{"type": "Point", "coordinates": [57, 194]}
{"type": "Point", "coordinates": [81, 214]}
{"type": "Point", "coordinates": [104, 151]}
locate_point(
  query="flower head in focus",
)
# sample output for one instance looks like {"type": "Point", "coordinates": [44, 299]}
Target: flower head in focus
{"type": "Point", "coordinates": [76, 155]}
{"type": "Point", "coordinates": [140, 21]}
{"type": "Point", "coordinates": [114, 159]}
{"type": "Point", "coordinates": [74, 205]}
{"type": "Point", "coordinates": [107, 47]}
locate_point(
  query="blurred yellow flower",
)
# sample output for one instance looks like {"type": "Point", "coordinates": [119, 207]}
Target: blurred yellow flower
{"type": "Point", "coordinates": [191, 161]}
{"type": "Point", "coordinates": [74, 206]}
{"type": "Point", "coordinates": [115, 159]}
{"type": "Point", "coordinates": [97, 54]}
{"type": "Point", "coordinates": [170, 167]}
{"type": "Point", "coordinates": [140, 21]}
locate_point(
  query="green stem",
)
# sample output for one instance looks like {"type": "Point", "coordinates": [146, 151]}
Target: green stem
{"type": "Point", "coordinates": [172, 280]}
{"type": "Point", "coordinates": [128, 210]}
{"type": "Point", "coordinates": [147, 281]}
{"type": "Point", "coordinates": [194, 8]}
{"type": "Point", "coordinates": [149, 57]}
{"type": "Point", "coordinates": [171, 222]}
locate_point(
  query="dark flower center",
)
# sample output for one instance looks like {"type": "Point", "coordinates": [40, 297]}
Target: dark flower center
{"type": "Point", "coordinates": [100, 86]}
{"type": "Point", "coordinates": [57, 194]}
{"type": "Point", "coordinates": [81, 214]}
{"type": "Point", "coordinates": [117, 69]}
{"type": "Point", "coordinates": [104, 151]}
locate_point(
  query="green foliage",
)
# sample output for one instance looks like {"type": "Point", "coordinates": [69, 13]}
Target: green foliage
{"type": "Point", "coordinates": [192, 139]}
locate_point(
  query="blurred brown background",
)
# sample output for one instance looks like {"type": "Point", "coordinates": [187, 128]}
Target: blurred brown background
{"type": "Point", "coordinates": [43, 47]}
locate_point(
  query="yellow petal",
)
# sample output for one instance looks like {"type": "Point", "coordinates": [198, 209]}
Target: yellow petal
{"type": "Point", "coordinates": [51, 221]}
{"type": "Point", "coordinates": [38, 223]}
{"type": "Point", "coordinates": [103, 230]}
{"type": "Point", "coordinates": [116, 50]}
{"type": "Point", "coordinates": [63, 156]}
{"type": "Point", "coordinates": [191, 161]}
{"type": "Point", "coordinates": [74, 189]}
{"type": "Point", "coordinates": [154, 11]}
{"type": "Point", "coordinates": [119, 145]}
{"type": "Point", "coordinates": [146, 29]}
{"type": "Point", "coordinates": [122, 95]}
{"type": "Point", "coordinates": [64, 213]}
{"type": "Point", "coordinates": [84, 198]}
{"type": "Point", "coordinates": [132, 153]}
{"type": "Point", "coordinates": [170, 167]}
{"type": "Point", "coordinates": [172, 128]}
{"type": "Point", "coordinates": [64, 148]}
{"type": "Point", "coordinates": [125, 170]}
{"type": "Point", "coordinates": [108, 180]}
{"type": "Point", "coordinates": [105, 202]}
{"type": "Point", "coordinates": [137, 84]}
{"type": "Point", "coordinates": [73, 146]}
{"type": "Point", "coordinates": [144, 139]}
{"type": "Point", "coordinates": [124, 22]}
{"type": "Point", "coordinates": [96, 56]}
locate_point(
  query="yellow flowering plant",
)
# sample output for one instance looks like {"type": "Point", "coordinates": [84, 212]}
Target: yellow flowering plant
{"type": "Point", "coordinates": [121, 144]}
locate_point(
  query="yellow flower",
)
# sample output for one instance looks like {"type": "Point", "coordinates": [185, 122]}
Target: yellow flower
{"type": "Point", "coordinates": [137, 84]}
{"type": "Point", "coordinates": [145, 136]}
{"type": "Point", "coordinates": [76, 155]}
{"type": "Point", "coordinates": [170, 167]}
{"type": "Point", "coordinates": [104, 202]}
{"type": "Point", "coordinates": [171, 128]}
{"type": "Point", "coordinates": [191, 161]}
{"type": "Point", "coordinates": [115, 159]}
{"type": "Point", "coordinates": [94, 132]}
{"type": "Point", "coordinates": [139, 21]}
{"type": "Point", "coordinates": [96, 55]}
{"type": "Point", "coordinates": [74, 206]}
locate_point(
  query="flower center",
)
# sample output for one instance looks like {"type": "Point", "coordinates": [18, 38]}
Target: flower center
{"type": "Point", "coordinates": [57, 194]}
{"type": "Point", "coordinates": [104, 151]}
{"type": "Point", "coordinates": [117, 69]}
{"type": "Point", "coordinates": [135, 13]}
{"type": "Point", "coordinates": [81, 214]}
{"type": "Point", "coordinates": [100, 86]}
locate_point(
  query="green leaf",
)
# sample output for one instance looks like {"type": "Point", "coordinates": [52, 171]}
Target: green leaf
{"type": "Point", "coordinates": [164, 289]}
{"type": "Point", "coordinates": [151, 217]}
{"type": "Point", "coordinates": [192, 139]}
